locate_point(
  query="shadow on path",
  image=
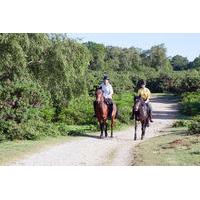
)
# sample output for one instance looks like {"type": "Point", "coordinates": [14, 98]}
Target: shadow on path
{"type": "Point", "coordinates": [81, 134]}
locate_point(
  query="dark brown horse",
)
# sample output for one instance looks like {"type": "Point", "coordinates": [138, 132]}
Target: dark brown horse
{"type": "Point", "coordinates": [141, 114]}
{"type": "Point", "coordinates": [102, 112]}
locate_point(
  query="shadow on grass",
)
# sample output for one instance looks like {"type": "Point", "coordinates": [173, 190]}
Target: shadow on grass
{"type": "Point", "coordinates": [195, 153]}
{"type": "Point", "coordinates": [176, 131]}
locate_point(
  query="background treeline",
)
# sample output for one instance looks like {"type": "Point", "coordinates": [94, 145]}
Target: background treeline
{"type": "Point", "coordinates": [47, 81]}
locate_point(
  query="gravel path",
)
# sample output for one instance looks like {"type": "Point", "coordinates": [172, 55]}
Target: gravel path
{"type": "Point", "coordinates": [115, 151]}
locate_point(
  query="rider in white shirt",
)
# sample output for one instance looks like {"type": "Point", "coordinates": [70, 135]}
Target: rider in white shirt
{"type": "Point", "coordinates": [107, 93]}
{"type": "Point", "coordinates": [106, 88]}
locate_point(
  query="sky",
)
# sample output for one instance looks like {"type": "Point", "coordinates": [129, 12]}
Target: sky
{"type": "Point", "coordinates": [185, 44]}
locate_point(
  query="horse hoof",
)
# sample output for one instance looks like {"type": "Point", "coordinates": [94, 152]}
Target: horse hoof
{"type": "Point", "coordinates": [101, 137]}
{"type": "Point", "coordinates": [135, 138]}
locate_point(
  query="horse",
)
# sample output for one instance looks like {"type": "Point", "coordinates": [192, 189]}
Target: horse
{"type": "Point", "coordinates": [102, 112]}
{"type": "Point", "coordinates": [141, 114]}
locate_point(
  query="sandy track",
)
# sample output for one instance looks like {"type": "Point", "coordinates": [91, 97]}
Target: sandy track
{"type": "Point", "coordinates": [115, 151]}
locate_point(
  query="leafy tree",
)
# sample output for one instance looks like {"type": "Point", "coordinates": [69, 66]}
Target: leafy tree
{"type": "Point", "coordinates": [179, 62]}
{"type": "Point", "coordinates": [196, 63]}
{"type": "Point", "coordinates": [158, 58]}
{"type": "Point", "coordinates": [98, 52]}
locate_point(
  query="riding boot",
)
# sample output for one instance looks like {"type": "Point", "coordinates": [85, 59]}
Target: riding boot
{"type": "Point", "coordinates": [148, 124]}
{"type": "Point", "coordinates": [110, 111]}
{"type": "Point", "coordinates": [150, 111]}
{"type": "Point", "coordinates": [150, 118]}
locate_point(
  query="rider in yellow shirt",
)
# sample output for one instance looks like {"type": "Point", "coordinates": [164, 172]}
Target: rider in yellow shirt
{"type": "Point", "coordinates": [145, 94]}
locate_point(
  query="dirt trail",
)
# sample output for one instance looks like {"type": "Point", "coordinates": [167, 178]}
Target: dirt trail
{"type": "Point", "coordinates": [115, 151]}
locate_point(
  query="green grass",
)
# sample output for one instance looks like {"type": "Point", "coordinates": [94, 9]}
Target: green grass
{"type": "Point", "coordinates": [173, 149]}
{"type": "Point", "coordinates": [18, 149]}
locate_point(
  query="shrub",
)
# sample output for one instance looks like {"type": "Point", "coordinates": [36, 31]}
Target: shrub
{"type": "Point", "coordinates": [181, 123]}
{"type": "Point", "coordinates": [79, 111]}
{"type": "Point", "coordinates": [190, 104]}
{"type": "Point", "coordinates": [194, 126]}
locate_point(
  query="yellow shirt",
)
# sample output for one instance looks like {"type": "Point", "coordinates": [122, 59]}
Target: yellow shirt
{"type": "Point", "coordinates": [144, 93]}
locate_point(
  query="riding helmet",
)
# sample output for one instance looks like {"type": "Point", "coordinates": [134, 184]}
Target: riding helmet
{"type": "Point", "coordinates": [106, 77]}
{"type": "Point", "coordinates": [142, 82]}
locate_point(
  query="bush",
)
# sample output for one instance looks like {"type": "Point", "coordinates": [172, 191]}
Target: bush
{"type": "Point", "coordinates": [190, 103]}
{"type": "Point", "coordinates": [194, 126]}
{"type": "Point", "coordinates": [124, 103]}
{"type": "Point", "coordinates": [181, 123]}
{"type": "Point", "coordinates": [79, 111]}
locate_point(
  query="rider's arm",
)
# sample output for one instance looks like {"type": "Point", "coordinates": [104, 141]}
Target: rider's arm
{"type": "Point", "coordinates": [139, 92]}
{"type": "Point", "coordinates": [148, 95]}
{"type": "Point", "coordinates": [111, 90]}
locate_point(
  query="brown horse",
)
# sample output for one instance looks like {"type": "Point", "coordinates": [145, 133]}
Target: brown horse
{"type": "Point", "coordinates": [102, 112]}
{"type": "Point", "coordinates": [141, 114]}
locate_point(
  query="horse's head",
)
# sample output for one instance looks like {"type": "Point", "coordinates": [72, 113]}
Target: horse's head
{"type": "Point", "coordinates": [99, 95]}
{"type": "Point", "coordinates": [138, 103]}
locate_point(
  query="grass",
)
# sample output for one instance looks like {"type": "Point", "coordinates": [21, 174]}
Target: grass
{"type": "Point", "coordinates": [13, 150]}
{"type": "Point", "coordinates": [173, 149]}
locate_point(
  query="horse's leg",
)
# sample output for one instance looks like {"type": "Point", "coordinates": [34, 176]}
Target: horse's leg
{"type": "Point", "coordinates": [112, 124]}
{"type": "Point", "coordinates": [135, 136]}
{"type": "Point", "coordinates": [143, 130]}
{"type": "Point", "coordinates": [101, 126]}
{"type": "Point", "coordinates": [106, 133]}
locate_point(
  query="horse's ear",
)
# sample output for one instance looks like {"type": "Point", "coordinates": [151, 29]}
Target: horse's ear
{"type": "Point", "coordinates": [96, 88]}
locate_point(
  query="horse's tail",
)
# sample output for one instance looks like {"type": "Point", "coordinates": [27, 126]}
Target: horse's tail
{"type": "Point", "coordinates": [117, 111]}
{"type": "Point", "coordinates": [117, 114]}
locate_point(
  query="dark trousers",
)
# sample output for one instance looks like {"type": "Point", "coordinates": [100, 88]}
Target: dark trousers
{"type": "Point", "coordinates": [149, 108]}
{"type": "Point", "coordinates": [109, 102]}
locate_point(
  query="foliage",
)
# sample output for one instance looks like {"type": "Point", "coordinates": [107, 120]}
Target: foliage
{"type": "Point", "coordinates": [196, 63]}
{"type": "Point", "coordinates": [194, 126]}
{"type": "Point", "coordinates": [179, 62]}
{"type": "Point", "coordinates": [181, 123]}
{"type": "Point", "coordinates": [124, 102]}
{"type": "Point", "coordinates": [190, 104]}
{"type": "Point", "coordinates": [47, 81]}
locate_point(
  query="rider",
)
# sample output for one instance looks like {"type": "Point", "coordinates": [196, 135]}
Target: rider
{"type": "Point", "coordinates": [145, 94]}
{"type": "Point", "coordinates": [107, 93]}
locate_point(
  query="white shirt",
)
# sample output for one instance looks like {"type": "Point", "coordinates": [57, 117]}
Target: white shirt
{"type": "Point", "coordinates": [107, 90]}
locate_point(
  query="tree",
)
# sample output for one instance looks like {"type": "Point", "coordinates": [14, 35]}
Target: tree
{"type": "Point", "coordinates": [179, 62]}
{"type": "Point", "coordinates": [196, 63]}
{"type": "Point", "coordinates": [157, 56]}
{"type": "Point", "coordinates": [98, 52]}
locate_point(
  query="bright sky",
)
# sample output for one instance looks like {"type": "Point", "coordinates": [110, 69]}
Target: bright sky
{"type": "Point", "coordinates": [185, 44]}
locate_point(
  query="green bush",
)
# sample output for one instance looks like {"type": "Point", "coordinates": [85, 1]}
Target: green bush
{"type": "Point", "coordinates": [194, 127]}
{"type": "Point", "coordinates": [181, 123]}
{"type": "Point", "coordinates": [79, 111]}
{"type": "Point", "coordinates": [124, 102]}
{"type": "Point", "coordinates": [190, 103]}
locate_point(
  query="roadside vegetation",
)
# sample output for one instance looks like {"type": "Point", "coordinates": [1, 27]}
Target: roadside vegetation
{"type": "Point", "coordinates": [47, 83]}
{"type": "Point", "coordinates": [176, 148]}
